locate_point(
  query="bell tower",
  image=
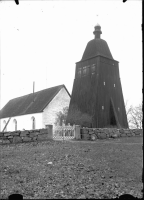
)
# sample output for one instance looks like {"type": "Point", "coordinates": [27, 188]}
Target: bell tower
{"type": "Point", "coordinates": [97, 87]}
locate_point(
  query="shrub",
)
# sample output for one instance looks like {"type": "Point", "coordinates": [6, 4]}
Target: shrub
{"type": "Point", "coordinates": [75, 116]}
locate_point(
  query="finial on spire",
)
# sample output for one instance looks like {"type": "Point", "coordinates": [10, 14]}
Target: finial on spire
{"type": "Point", "coordinates": [97, 32]}
{"type": "Point", "coordinates": [97, 24]}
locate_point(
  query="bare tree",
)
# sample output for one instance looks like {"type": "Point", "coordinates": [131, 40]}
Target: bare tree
{"type": "Point", "coordinates": [134, 116]}
{"type": "Point", "coordinates": [61, 116]}
{"type": "Point", "coordinates": [128, 111]}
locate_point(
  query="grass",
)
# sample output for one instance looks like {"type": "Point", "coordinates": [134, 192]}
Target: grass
{"type": "Point", "coordinates": [79, 169]}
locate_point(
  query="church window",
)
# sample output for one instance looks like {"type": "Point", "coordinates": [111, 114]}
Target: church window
{"type": "Point", "coordinates": [33, 123]}
{"type": "Point", "coordinates": [114, 85]}
{"type": "Point", "coordinates": [93, 69]}
{"type": "Point", "coordinates": [104, 83]}
{"type": "Point", "coordinates": [102, 107]}
{"type": "Point", "coordinates": [15, 124]}
{"type": "Point", "coordinates": [118, 109]}
{"type": "Point", "coordinates": [79, 72]}
{"type": "Point", "coordinates": [4, 123]}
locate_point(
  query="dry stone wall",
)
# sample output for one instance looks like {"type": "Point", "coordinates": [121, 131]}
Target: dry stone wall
{"type": "Point", "coordinates": [105, 133]}
{"type": "Point", "coordinates": [25, 136]}
{"type": "Point", "coordinates": [80, 133]}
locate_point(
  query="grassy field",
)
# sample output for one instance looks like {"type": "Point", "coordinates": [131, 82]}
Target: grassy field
{"type": "Point", "coordinates": [72, 169]}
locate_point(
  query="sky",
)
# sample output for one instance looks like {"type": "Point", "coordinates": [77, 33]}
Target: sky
{"type": "Point", "coordinates": [42, 40]}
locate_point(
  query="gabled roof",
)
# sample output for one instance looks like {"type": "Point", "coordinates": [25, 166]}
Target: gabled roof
{"type": "Point", "coordinates": [31, 103]}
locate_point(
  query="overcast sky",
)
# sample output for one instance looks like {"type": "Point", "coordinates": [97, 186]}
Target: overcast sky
{"type": "Point", "coordinates": [42, 40]}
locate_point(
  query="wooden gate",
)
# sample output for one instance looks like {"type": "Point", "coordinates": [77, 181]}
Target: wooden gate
{"type": "Point", "coordinates": [64, 132]}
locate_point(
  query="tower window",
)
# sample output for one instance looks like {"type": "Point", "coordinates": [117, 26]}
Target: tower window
{"type": "Point", "coordinates": [79, 72]}
{"type": "Point", "coordinates": [114, 85]}
{"type": "Point", "coordinates": [93, 69]}
{"type": "Point", "coordinates": [102, 107]}
{"type": "Point", "coordinates": [84, 70]}
{"type": "Point", "coordinates": [15, 124]}
{"type": "Point", "coordinates": [87, 69]}
{"type": "Point", "coordinates": [104, 83]}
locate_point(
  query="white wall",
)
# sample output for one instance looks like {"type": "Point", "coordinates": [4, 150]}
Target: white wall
{"type": "Point", "coordinates": [61, 100]}
{"type": "Point", "coordinates": [47, 117]}
{"type": "Point", "coordinates": [23, 122]}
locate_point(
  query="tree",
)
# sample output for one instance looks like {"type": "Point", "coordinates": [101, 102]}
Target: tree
{"type": "Point", "coordinates": [134, 116]}
{"type": "Point", "coordinates": [128, 110]}
{"type": "Point", "coordinates": [61, 116]}
{"type": "Point", "coordinates": [75, 116]}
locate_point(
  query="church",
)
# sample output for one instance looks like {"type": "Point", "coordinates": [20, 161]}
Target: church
{"type": "Point", "coordinates": [97, 92]}
{"type": "Point", "coordinates": [97, 89]}
{"type": "Point", "coordinates": [34, 111]}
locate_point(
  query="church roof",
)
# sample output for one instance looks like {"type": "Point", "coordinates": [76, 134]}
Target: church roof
{"type": "Point", "coordinates": [31, 103]}
{"type": "Point", "coordinates": [97, 46]}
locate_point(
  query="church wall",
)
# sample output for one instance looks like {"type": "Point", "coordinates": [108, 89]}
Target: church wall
{"type": "Point", "coordinates": [23, 122]}
{"type": "Point", "coordinates": [60, 101]}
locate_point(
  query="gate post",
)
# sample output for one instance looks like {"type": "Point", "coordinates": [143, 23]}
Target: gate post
{"type": "Point", "coordinates": [63, 130]}
{"type": "Point", "coordinates": [50, 131]}
{"type": "Point", "coordinates": [77, 132]}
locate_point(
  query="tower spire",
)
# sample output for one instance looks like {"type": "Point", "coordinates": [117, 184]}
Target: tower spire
{"type": "Point", "coordinates": [97, 32]}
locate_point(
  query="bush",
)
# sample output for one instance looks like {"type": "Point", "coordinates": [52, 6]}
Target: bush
{"type": "Point", "coordinates": [75, 116]}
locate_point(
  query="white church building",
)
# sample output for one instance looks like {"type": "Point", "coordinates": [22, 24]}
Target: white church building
{"type": "Point", "coordinates": [34, 111]}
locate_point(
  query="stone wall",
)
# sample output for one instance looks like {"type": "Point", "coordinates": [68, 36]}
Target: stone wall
{"type": "Point", "coordinates": [25, 136]}
{"type": "Point", "coordinates": [80, 133]}
{"type": "Point", "coordinates": [105, 133]}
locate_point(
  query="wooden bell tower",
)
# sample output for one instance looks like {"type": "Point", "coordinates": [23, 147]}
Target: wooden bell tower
{"type": "Point", "coordinates": [97, 87]}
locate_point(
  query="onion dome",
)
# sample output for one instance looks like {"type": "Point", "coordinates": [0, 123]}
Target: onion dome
{"type": "Point", "coordinates": [97, 46]}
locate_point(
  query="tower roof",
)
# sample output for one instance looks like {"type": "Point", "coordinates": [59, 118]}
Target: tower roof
{"type": "Point", "coordinates": [97, 46]}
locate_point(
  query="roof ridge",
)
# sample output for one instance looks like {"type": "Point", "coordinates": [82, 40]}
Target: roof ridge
{"type": "Point", "coordinates": [35, 92]}
{"type": "Point", "coordinates": [52, 97]}
{"type": "Point", "coordinates": [23, 105]}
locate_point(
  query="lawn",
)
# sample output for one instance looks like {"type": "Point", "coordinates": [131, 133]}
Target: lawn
{"type": "Point", "coordinates": [72, 169]}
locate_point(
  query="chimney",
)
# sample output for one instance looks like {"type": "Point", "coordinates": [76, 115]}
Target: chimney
{"type": "Point", "coordinates": [97, 32]}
